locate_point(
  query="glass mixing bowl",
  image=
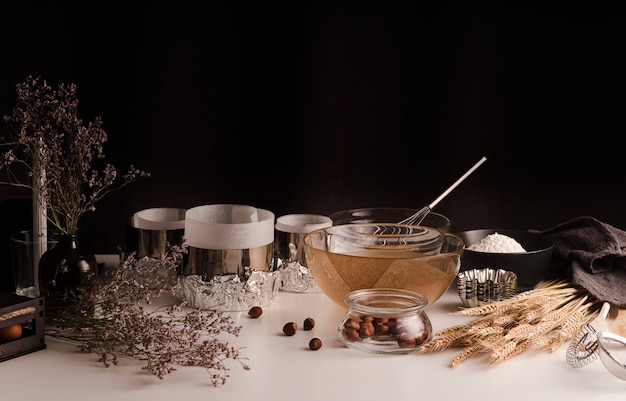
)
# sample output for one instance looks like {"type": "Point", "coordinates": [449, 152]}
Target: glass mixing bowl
{"type": "Point", "coordinates": [387, 215]}
{"type": "Point", "coordinates": [351, 257]}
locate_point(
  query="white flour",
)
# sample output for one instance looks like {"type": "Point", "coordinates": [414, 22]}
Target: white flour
{"type": "Point", "coordinates": [497, 243]}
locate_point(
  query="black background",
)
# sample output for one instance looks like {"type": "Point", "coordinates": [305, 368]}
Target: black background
{"type": "Point", "coordinates": [316, 107]}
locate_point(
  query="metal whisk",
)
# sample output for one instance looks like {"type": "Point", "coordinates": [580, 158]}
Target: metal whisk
{"type": "Point", "coordinates": [418, 216]}
{"type": "Point", "coordinates": [583, 348]}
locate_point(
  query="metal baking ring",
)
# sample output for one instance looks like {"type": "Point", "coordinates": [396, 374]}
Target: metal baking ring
{"type": "Point", "coordinates": [477, 287]}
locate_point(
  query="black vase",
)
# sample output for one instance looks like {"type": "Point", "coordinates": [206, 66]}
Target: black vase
{"type": "Point", "coordinates": [66, 273]}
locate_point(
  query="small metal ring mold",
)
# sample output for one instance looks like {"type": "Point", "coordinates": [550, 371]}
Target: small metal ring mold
{"type": "Point", "coordinates": [482, 286]}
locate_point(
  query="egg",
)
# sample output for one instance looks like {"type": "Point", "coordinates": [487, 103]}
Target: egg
{"type": "Point", "coordinates": [11, 332]}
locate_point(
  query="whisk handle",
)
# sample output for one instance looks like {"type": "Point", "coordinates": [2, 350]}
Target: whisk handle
{"type": "Point", "coordinates": [457, 182]}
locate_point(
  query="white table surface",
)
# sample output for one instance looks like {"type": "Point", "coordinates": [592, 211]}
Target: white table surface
{"type": "Point", "coordinates": [284, 368]}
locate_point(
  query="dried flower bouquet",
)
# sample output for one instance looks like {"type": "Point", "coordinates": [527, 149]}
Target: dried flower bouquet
{"type": "Point", "coordinates": [125, 323]}
{"type": "Point", "coordinates": [52, 152]}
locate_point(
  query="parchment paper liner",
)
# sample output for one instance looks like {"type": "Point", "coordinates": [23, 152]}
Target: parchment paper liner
{"type": "Point", "coordinates": [230, 256]}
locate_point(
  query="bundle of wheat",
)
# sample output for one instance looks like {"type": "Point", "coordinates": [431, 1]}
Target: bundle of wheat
{"type": "Point", "coordinates": [545, 317]}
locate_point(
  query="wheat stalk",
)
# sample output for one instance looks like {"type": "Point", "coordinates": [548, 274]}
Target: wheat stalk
{"type": "Point", "coordinates": [512, 350]}
{"type": "Point", "coordinates": [464, 355]}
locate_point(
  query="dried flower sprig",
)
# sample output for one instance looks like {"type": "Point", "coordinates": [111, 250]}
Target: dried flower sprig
{"type": "Point", "coordinates": [52, 152]}
{"type": "Point", "coordinates": [116, 318]}
{"type": "Point", "coordinates": [545, 317]}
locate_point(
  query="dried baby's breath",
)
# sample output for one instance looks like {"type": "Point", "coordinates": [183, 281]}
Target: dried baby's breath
{"type": "Point", "coordinates": [52, 151]}
{"type": "Point", "coordinates": [545, 317]}
{"type": "Point", "coordinates": [124, 322]}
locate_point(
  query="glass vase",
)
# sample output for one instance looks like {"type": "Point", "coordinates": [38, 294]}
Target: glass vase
{"type": "Point", "coordinates": [66, 273]}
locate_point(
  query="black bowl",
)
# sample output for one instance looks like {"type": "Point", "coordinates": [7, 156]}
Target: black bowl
{"type": "Point", "coordinates": [530, 266]}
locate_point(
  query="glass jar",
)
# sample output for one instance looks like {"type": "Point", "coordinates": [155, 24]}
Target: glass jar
{"type": "Point", "coordinates": [385, 321]}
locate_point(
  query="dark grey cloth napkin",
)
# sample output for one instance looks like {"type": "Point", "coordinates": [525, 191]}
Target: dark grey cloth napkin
{"type": "Point", "coordinates": [591, 254]}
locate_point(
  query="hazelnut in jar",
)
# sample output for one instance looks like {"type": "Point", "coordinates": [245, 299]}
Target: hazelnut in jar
{"type": "Point", "coordinates": [385, 321]}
